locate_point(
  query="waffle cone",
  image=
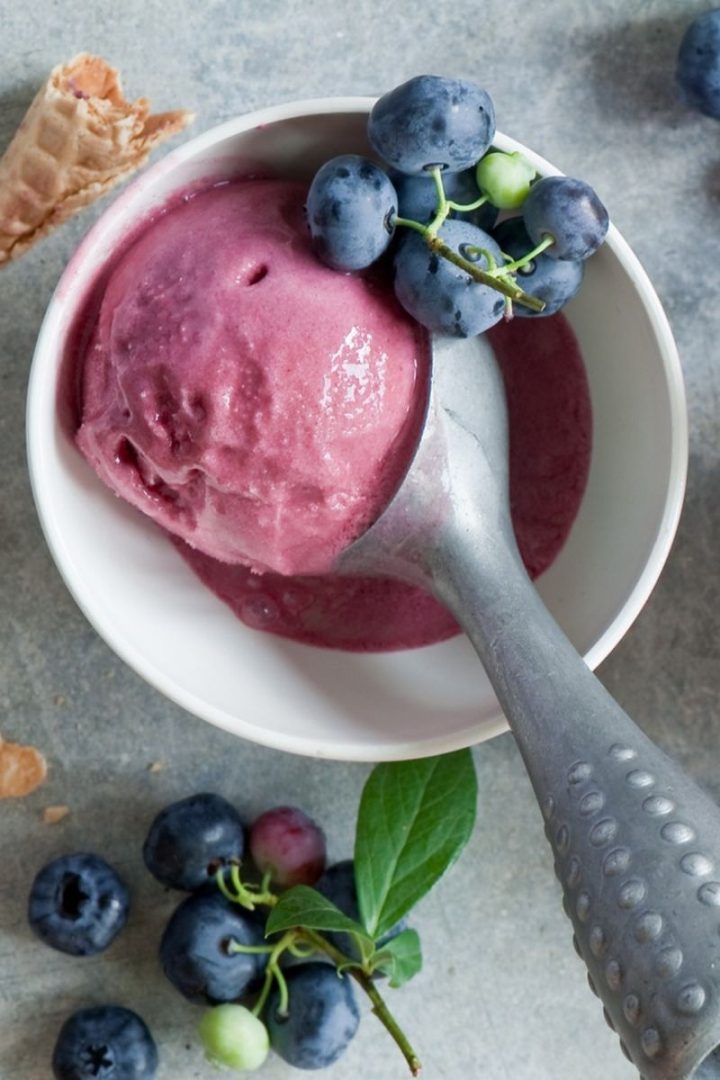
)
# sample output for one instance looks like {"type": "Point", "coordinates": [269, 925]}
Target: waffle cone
{"type": "Point", "coordinates": [22, 769]}
{"type": "Point", "coordinates": [79, 137]}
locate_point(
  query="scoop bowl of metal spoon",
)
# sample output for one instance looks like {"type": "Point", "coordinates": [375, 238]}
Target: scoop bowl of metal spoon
{"type": "Point", "coordinates": [636, 842]}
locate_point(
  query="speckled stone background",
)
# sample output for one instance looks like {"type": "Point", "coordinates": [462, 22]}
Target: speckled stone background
{"type": "Point", "coordinates": [588, 83]}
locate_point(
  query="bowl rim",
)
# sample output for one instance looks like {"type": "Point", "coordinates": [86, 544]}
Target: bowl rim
{"type": "Point", "coordinates": [42, 382]}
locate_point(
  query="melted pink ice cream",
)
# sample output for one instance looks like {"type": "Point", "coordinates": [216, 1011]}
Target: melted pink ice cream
{"type": "Point", "coordinates": [253, 402]}
{"type": "Point", "coordinates": [550, 422]}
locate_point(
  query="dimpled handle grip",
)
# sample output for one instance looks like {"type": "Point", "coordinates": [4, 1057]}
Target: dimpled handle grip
{"type": "Point", "coordinates": [637, 852]}
{"type": "Point", "coordinates": [636, 842]}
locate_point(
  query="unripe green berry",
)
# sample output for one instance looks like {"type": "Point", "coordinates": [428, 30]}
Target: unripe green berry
{"type": "Point", "coordinates": [505, 179]}
{"type": "Point", "coordinates": [233, 1038]}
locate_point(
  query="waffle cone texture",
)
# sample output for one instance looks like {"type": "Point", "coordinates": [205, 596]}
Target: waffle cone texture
{"type": "Point", "coordinates": [79, 137]}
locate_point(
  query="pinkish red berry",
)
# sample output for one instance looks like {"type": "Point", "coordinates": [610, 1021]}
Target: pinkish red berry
{"type": "Point", "coordinates": [287, 844]}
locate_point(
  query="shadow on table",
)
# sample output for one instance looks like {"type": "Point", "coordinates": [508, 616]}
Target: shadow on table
{"type": "Point", "coordinates": [712, 184]}
{"type": "Point", "coordinates": [632, 66]}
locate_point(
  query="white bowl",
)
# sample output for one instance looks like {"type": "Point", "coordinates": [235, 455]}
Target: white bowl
{"type": "Point", "coordinates": [150, 608]}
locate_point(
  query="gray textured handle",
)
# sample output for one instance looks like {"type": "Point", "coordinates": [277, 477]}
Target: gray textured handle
{"type": "Point", "coordinates": [636, 842]}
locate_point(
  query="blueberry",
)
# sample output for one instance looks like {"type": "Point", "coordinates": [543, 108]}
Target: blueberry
{"type": "Point", "coordinates": [288, 845]}
{"type": "Point", "coordinates": [553, 280]}
{"type": "Point", "coordinates": [78, 904]}
{"type": "Point", "coordinates": [195, 953]}
{"type": "Point", "coordinates": [350, 208]}
{"type": "Point", "coordinates": [698, 64]}
{"type": "Point", "coordinates": [338, 885]}
{"type": "Point", "coordinates": [570, 212]}
{"type": "Point", "coordinates": [104, 1043]}
{"type": "Point", "coordinates": [440, 295]}
{"type": "Point", "coordinates": [191, 839]}
{"type": "Point", "coordinates": [417, 197]}
{"type": "Point", "coordinates": [322, 1018]}
{"type": "Point", "coordinates": [429, 121]}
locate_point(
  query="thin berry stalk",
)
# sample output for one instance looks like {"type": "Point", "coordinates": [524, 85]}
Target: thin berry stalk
{"type": "Point", "coordinates": [483, 276]}
{"type": "Point", "coordinates": [379, 1007]}
{"type": "Point", "coordinates": [517, 264]}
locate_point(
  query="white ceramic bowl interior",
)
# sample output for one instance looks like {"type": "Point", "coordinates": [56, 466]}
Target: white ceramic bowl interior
{"type": "Point", "coordinates": [156, 615]}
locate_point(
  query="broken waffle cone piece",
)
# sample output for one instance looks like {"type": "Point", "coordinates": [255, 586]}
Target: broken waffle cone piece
{"type": "Point", "coordinates": [22, 769]}
{"type": "Point", "coordinates": [52, 815]}
{"type": "Point", "coordinates": [79, 137]}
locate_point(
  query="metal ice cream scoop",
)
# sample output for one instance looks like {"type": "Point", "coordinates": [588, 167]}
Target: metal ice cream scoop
{"type": "Point", "coordinates": [636, 842]}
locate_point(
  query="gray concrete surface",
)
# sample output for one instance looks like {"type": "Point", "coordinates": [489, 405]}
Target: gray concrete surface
{"type": "Point", "coordinates": [588, 83]}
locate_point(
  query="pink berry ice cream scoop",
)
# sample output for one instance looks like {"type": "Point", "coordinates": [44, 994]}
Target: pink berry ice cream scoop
{"type": "Point", "coordinates": [250, 400]}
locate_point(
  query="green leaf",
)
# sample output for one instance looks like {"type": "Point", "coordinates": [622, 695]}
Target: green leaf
{"type": "Point", "coordinates": [400, 958]}
{"type": "Point", "coordinates": [302, 906]}
{"type": "Point", "coordinates": [415, 818]}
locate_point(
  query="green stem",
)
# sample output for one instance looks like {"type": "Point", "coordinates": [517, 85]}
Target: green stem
{"type": "Point", "coordinates": [220, 882]}
{"type": "Point", "coordinates": [265, 992]}
{"type": "Point", "coordinates": [442, 209]}
{"type": "Point", "coordinates": [246, 896]}
{"type": "Point", "coordinates": [485, 277]}
{"type": "Point", "coordinates": [436, 173]}
{"type": "Point", "coordinates": [517, 264]}
{"type": "Point", "coordinates": [273, 973]}
{"type": "Point", "coordinates": [301, 951]}
{"type": "Point", "coordinates": [386, 1018]}
{"type": "Point", "coordinates": [380, 1009]}
{"type": "Point", "coordinates": [408, 223]}
{"type": "Point", "coordinates": [321, 944]}
{"type": "Point", "coordinates": [465, 208]}
{"type": "Point", "coordinates": [472, 252]}
{"type": "Point", "coordinates": [284, 1001]}
{"type": "Point", "coordinates": [234, 947]}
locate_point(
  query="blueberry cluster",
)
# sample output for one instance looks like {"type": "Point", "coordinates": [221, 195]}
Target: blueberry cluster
{"type": "Point", "coordinates": [435, 206]}
{"type": "Point", "coordinates": [213, 950]}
